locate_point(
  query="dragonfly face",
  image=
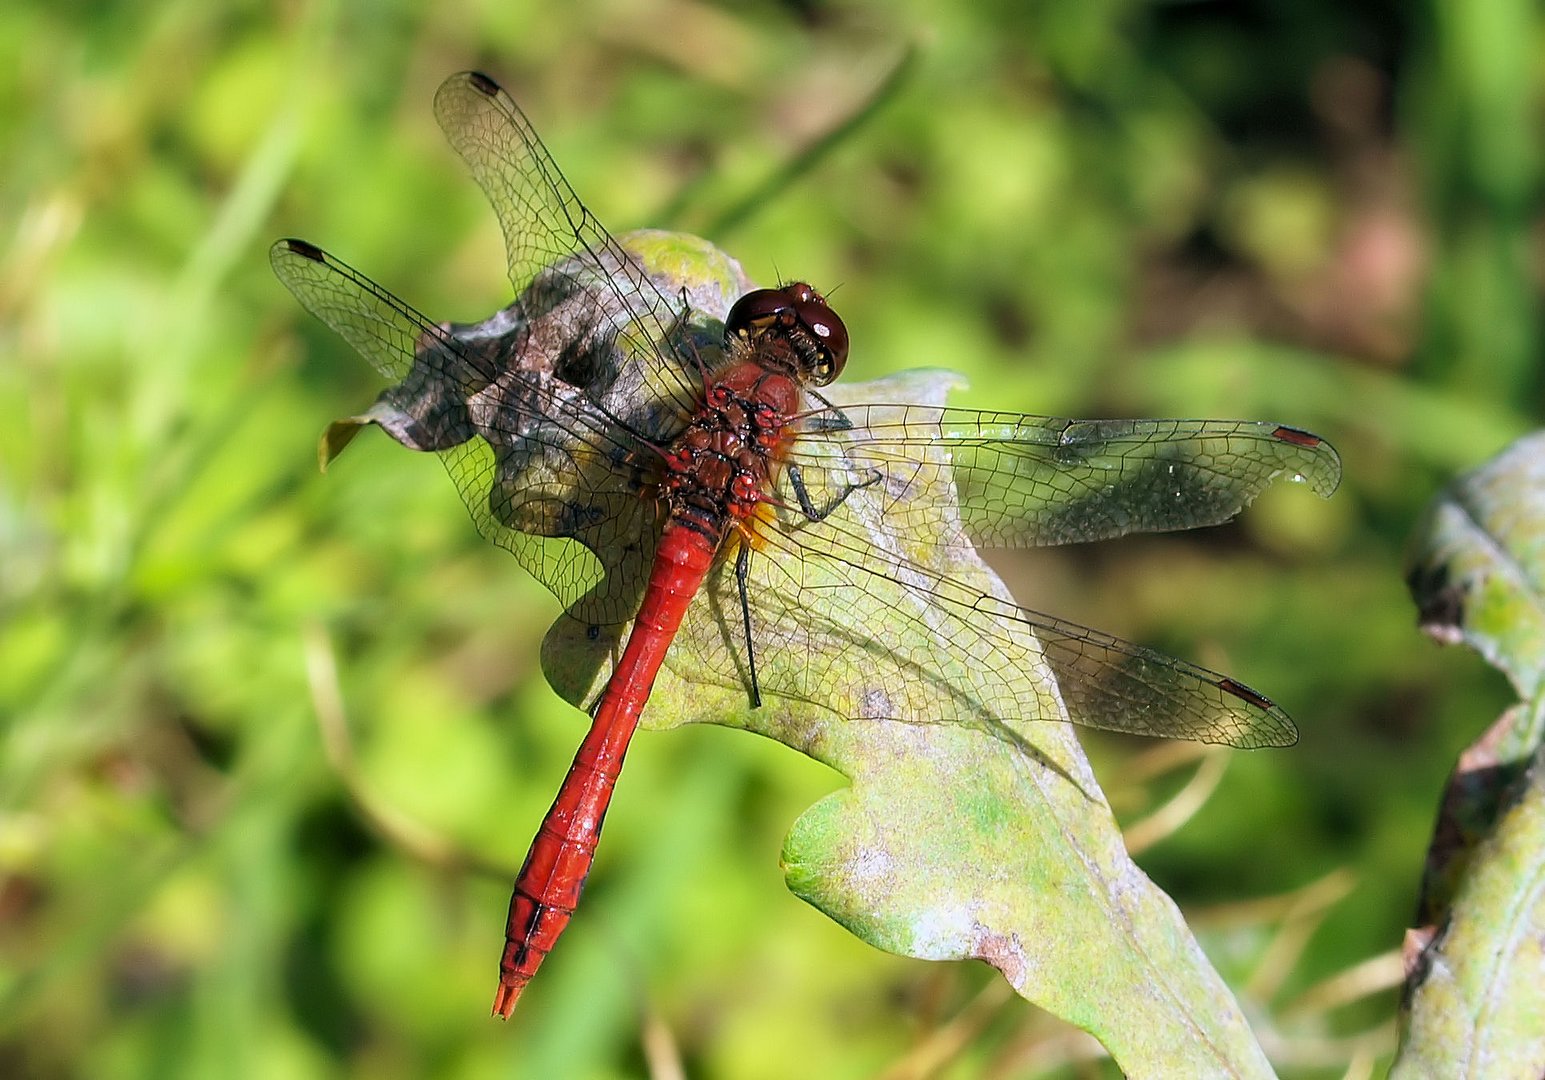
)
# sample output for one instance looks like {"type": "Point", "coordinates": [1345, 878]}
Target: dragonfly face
{"type": "Point", "coordinates": [800, 316]}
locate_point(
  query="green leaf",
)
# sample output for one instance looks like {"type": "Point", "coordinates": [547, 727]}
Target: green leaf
{"type": "Point", "coordinates": [1478, 991]}
{"type": "Point", "coordinates": [1475, 991]}
{"type": "Point", "coordinates": [1478, 567]}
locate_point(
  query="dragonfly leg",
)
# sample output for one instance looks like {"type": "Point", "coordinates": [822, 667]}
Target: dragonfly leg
{"type": "Point", "coordinates": [742, 577]}
{"type": "Point", "coordinates": [831, 418]}
{"type": "Point", "coordinates": [820, 513]}
{"type": "Point", "coordinates": [678, 325]}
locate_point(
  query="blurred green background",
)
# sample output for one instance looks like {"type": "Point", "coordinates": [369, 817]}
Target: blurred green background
{"type": "Point", "coordinates": [1319, 213]}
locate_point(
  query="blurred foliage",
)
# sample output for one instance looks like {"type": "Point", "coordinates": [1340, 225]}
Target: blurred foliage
{"type": "Point", "coordinates": [1325, 214]}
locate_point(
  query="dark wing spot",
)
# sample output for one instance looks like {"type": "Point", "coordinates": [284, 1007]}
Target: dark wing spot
{"type": "Point", "coordinates": [305, 250]}
{"type": "Point", "coordinates": [1240, 690]}
{"type": "Point", "coordinates": [483, 83]}
{"type": "Point", "coordinates": [1296, 436]}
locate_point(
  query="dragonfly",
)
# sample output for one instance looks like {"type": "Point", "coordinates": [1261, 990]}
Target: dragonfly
{"type": "Point", "coordinates": [663, 458]}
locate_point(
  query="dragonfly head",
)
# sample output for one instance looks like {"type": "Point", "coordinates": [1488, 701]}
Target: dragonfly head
{"type": "Point", "coordinates": [798, 316]}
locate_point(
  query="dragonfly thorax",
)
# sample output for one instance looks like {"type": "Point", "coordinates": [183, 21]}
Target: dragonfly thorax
{"type": "Point", "coordinates": [717, 469]}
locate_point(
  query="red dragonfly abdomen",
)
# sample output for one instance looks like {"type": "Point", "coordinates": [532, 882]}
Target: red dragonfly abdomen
{"type": "Point", "coordinates": [549, 883]}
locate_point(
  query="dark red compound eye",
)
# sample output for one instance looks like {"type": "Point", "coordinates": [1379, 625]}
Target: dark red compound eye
{"type": "Point", "coordinates": [757, 306]}
{"type": "Point", "coordinates": [829, 333]}
{"type": "Point", "coordinates": [794, 305]}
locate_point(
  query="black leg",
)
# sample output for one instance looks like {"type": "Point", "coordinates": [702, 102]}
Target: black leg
{"type": "Point", "coordinates": [830, 418]}
{"type": "Point", "coordinates": [807, 504]}
{"type": "Point", "coordinates": [742, 576]}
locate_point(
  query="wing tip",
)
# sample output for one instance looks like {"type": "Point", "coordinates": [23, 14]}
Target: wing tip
{"type": "Point", "coordinates": [1326, 477]}
{"type": "Point", "coordinates": [1280, 732]}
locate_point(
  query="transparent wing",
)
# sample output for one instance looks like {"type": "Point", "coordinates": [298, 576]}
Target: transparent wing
{"type": "Point", "coordinates": [1033, 481]}
{"type": "Point", "coordinates": [544, 471]}
{"type": "Point", "coordinates": [859, 625]}
{"type": "Point", "coordinates": [555, 245]}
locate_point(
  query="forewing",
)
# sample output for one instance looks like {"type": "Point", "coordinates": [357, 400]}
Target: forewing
{"type": "Point", "coordinates": [543, 471]}
{"type": "Point", "coordinates": [876, 607]}
{"type": "Point", "coordinates": [1032, 481]}
{"type": "Point", "coordinates": [555, 245]}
